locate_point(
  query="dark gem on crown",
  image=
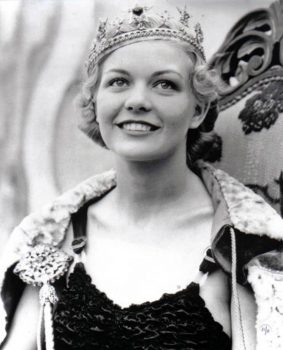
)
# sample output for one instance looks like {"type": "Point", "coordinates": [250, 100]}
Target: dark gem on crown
{"type": "Point", "coordinates": [138, 11]}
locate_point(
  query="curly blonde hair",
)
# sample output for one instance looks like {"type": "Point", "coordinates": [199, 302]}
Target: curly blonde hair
{"type": "Point", "coordinates": [205, 85]}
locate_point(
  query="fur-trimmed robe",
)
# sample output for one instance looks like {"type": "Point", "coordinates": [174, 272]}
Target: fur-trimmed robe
{"type": "Point", "coordinates": [257, 226]}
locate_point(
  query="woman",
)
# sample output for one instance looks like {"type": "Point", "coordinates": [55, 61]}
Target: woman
{"type": "Point", "coordinates": [138, 235]}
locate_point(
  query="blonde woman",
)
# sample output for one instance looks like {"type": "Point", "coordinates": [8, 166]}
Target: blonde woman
{"type": "Point", "coordinates": [137, 272]}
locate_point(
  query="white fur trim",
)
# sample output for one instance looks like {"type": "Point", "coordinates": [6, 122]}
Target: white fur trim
{"type": "Point", "coordinates": [248, 212]}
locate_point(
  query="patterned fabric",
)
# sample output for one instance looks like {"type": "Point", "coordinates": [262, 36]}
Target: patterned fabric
{"type": "Point", "coordinates": [87, 319]}
{"type": "Point", "coordinates": [248, 212]}
{"type": "Point", "coordinates": [262, 109]}
{"type": "Point", "coordinates": [251, 131]}
{"type": "Point", "coordinates": [268, 288]}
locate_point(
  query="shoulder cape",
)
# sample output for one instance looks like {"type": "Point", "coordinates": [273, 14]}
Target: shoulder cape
{"type": "Point", "coordinates": [257, 226]}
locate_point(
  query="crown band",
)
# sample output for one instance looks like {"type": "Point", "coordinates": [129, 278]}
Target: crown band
{"type": "Point", "coordinates": [141, 27]}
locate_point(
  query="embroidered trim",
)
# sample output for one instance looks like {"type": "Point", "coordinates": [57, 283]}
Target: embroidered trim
{"type": "Point", "coordinates": [42, 264]}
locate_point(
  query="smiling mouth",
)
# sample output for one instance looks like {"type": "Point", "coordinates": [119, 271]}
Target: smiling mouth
{"type": "Point", "coordinates": [137, 126]}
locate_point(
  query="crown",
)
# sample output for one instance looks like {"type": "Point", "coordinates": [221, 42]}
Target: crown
{"type": "Point", "coordinates": [140, 25]}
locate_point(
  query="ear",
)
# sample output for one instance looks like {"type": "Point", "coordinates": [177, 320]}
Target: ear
{"type": "Point", "coordinates": [201, 110]}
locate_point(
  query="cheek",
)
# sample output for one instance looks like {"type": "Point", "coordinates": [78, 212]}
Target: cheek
{"type": "Point", "coordinates": [108, 104]}
{"type": "Point", "coordinates": [179, 117]}
{"type": "Point", "coordinates": [105, 109]}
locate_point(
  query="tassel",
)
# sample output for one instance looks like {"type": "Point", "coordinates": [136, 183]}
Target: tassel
{"type": "Point", "coordinates": [47, 297]}
{"type": "Point", "coordinates": [40, 329]}
{"type": "Point", "coordinates": [48, 327]}
{"type": "Point", "coordinates": [42, 265]}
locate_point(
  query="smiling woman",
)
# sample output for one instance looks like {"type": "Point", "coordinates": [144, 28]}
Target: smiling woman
{"type": "Point", "coordinates": [150, 111]}
{"type": "Point", "coordinates": [184, 80]}
{"type": "Point", "coordinates": [148, 256]}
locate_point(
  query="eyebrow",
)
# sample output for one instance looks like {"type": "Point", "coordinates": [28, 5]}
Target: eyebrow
{"type": "Point", "coordinates": [161, 72]}
{"type": "Point", "coordinates": [167, 71]}
{"type": "Point", "coordinates": [116, 70]}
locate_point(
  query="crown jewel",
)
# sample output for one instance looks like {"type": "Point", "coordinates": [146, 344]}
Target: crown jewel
{"type": "Point", "coordinates": [184, 16]}
{"type": "Point", "coordinates": [137, 11]}
{"type": "Point", "coordinates": [140, 25]}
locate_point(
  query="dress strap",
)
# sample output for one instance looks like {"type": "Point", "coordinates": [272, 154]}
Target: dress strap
{"type": "Point", "coordinates": [79, 222]}
{"type": "Point", "coordinates": [208, 264]}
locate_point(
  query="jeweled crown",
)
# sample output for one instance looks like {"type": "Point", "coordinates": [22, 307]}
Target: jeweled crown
{"type": "Point", "coordinates": [140, 25]}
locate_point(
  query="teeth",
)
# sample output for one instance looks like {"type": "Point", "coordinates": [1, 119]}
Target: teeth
{"type": "Point", "coordinates": [136, 127]}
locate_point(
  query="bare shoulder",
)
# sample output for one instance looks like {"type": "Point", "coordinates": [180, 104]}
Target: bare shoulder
{"type": "Point", "coordinates": [216, 287]}
{"type": "Point", "coordinates": [103, 209]}
{"type": "Point", "coordinates": [216, 293]}
{"type": "Point", "coordinates": [22, 334]}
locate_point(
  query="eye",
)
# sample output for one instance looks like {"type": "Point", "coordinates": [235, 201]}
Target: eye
{"type": "Point", "coordinates": [165, 85]}
{"type": "Point", "coordinates": [118, 82]}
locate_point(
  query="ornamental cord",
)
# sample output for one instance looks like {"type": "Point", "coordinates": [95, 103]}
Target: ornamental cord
{"type": "Point", "coordinates": [48, 326]}
{"type": "Point", "coordinates": [41, 266]}
{"type": "Point", "coordinates": [40, 328]}
{"type": "Point", "coordinates": [236, 300]}
{"type": "Point", "coordinates": [45, 327]}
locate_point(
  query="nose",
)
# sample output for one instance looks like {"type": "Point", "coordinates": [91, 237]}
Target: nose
{"type": "Point", "coordinates": [138, 100]}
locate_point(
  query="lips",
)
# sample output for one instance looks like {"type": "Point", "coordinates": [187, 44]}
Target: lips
{"type": "Point", "coordinates": [137, 126]}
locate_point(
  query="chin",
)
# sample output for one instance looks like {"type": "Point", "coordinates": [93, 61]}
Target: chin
{"type": "Point", "coordinates": [142, 154]}
{"type": "Point", "coordinates": [144, 151]}
{"type": "Point", "coordinates": [136, 152]}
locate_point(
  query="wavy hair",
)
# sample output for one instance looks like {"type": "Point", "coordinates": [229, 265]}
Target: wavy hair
{"type": "Point", "coordinates": [205, 85]}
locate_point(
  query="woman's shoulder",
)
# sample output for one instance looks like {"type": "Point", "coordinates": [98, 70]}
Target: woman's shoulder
{"type": "Point", "coordinates": [47, 227]}
{"type": "Point", "coordinates": [49, 224]}
{"type": "Point", "coordinates": [216, 293]}
{"type": "Point", "coordinates": [242, 219]}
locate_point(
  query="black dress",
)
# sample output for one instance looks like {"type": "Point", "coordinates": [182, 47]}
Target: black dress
{"type": "Point", "coordinates": [86, 319]}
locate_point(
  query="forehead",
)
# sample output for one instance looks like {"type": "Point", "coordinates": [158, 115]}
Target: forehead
{"type": "Point", "coordinates": [149, 55]}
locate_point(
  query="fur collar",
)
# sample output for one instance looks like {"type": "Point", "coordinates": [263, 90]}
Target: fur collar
{"type": "Point", "coordinates": [235, 205]}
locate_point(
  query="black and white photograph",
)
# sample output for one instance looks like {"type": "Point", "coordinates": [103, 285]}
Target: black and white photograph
{"type": "Point", "coordinates": [141, 174]}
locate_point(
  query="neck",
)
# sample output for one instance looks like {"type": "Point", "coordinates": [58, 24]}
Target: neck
{"type": "Point", "coordinates": [144, 188]}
